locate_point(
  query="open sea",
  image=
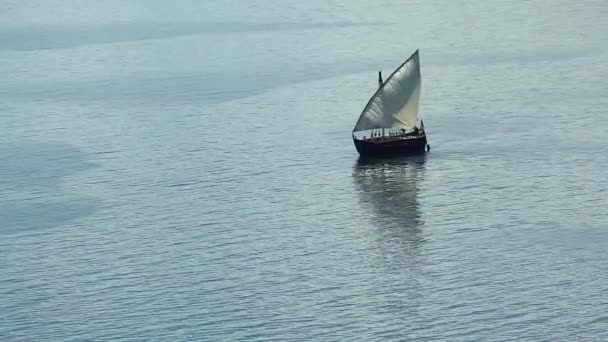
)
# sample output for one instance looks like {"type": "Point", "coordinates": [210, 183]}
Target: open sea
{"type": "Point", "coordinates": [184, 171]}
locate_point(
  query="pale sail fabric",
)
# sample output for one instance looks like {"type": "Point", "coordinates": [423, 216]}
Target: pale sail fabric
{"type": "Point", "coordinates": [395, 104]}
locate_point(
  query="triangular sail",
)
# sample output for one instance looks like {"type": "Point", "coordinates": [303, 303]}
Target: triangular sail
{"type": "Point", "coordinates": [395, 103]}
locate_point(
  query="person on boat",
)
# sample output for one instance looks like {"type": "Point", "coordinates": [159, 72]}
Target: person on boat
{"type": "Point", "coordinates": [380, 79]}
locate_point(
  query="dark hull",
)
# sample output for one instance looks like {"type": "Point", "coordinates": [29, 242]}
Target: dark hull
{"type": "Point", "coordinates": [409, 146]}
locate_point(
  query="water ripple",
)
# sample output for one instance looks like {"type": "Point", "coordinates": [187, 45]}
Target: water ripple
{"type": "Point", "coordinates": [194, 181]}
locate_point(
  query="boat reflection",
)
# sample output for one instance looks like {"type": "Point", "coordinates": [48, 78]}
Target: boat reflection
{"type": "Point", "coordinates": [388, 193]}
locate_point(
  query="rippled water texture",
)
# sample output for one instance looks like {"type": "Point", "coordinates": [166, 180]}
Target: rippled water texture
{"type": "Point", "coordinates": [183, 170]}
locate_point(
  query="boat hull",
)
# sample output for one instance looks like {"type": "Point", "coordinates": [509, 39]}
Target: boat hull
{"type": "Point", "coordinates": [410, 146]}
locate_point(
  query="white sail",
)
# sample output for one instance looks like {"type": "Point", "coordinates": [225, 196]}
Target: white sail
{"type": "Point", "coordinates": [395, 104]}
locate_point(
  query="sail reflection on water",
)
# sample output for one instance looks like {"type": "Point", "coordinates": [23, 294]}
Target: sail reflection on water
{"type": "Point", "coordinates": [388, 193]}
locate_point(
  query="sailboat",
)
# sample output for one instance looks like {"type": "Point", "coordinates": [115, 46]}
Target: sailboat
{"type": "Point", "coordinates": [390, 123]}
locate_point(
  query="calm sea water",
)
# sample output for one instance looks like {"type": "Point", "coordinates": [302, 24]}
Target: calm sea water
{"type": "Point", "coordinates": [183, 170]}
